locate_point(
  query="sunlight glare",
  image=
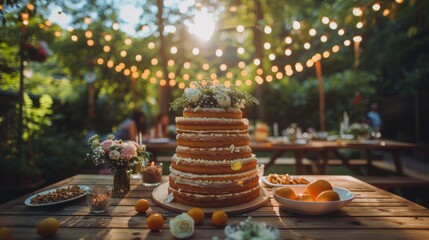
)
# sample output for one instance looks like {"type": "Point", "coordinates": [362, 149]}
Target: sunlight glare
{"type": "Point", "coordinates": [204, 24]}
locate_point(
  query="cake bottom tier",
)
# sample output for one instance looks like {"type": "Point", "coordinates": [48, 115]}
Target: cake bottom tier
{"type": "Point", "coordinates": [214, 200]}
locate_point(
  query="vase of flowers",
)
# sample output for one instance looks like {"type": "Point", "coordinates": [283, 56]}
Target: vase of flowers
{"type": "Point", "coordinates": [120, 157]}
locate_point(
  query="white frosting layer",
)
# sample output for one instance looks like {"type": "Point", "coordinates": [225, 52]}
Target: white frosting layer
{"type": "Point", "coordinates": [212, 131]}
{"type": "Point", "coordinates": [213, 135]}
{"type": "Point", "coordinates": [231, 149]}
{"type": "Point", "coordinates": [175, 172]}
{"type": "Point", "coordinates": [219, 196]}
{"type": "Point", "coordinates": [177, 160]}
{"type": "Point", "coordinates": [215, 110]}
{"type": "Point", "coordinates": [204, 119]}
{"type": "Point", "coordinates": [210, 183]}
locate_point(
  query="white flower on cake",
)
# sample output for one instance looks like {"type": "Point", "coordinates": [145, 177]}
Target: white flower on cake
{"type": "Point", "coordinates": [193, 94]}
{"type": "Point", "coordinates": [222, 99]}
{"type": "Point", "coordinates": [182, 226]}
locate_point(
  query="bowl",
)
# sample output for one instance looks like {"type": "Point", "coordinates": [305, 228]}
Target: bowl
{"type": "Point", "coordinates": [249, 229]}
{"type": "Point", "coordinates": [313, 208]}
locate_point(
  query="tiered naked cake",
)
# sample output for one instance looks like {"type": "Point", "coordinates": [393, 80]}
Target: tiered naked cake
{"type": "Point", "coordinates": [213, 165]}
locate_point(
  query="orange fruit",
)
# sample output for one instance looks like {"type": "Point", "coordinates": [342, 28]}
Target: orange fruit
{"type": "Point", "coordinates": [316, 187]}
{"type": "Point", "coordinates": [141, 206]}
{"type": "Point", "coordinates": [286, 192]}
{"type": "Point", "coordinates": [219, 218]}
{"type": "Point", "coordinates": [304, 197]}
{"type": "Point", "coordinates": [328, 195]}
{"type": "Point", "coordinates": [155, 222]}
{"type": "Point", "coordinates": [197, 214]}
{"type": "Point", "coordinates": [48, 227]}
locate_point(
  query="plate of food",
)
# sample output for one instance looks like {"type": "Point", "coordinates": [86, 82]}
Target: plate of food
{"type": "Point", "coordinates": [317, 198]}
{"type": "Point", "coordinates": [278, 180]}
{"type": "Point", "coordinates": [56, 195]}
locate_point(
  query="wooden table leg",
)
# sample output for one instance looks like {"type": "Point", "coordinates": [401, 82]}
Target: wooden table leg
{"type": "Point", "coordinates": [273, 158]}
{"type": "Point", "coordinates": [298, 162]}
{"type": "Point", "coordinates": [398, 164]}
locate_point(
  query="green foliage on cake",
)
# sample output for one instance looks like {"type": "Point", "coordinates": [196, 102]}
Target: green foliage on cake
{"type": "Point", "coordinates": [206, 94]}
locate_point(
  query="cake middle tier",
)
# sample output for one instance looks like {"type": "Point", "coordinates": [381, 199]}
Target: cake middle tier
{"type": "Point", "coordinates": [196, 140]}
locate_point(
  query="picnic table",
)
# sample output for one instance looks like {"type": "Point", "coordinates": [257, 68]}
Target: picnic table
{"type": "Point", "coordinates": [373, 214]}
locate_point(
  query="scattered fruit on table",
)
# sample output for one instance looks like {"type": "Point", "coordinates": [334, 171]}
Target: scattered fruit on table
{"type": "Point", "coordinates": [5, 233]}
{"type": "Point", "coordinates": [48, 227]}
{"type": "Point", "coordinates": [197, 214]}
{"type": "Point", "coordinates": [318, 186]}
{"type": "Point", "coordinates": [328, 195]}
{"type": "Point", "coordinates": [155, 222]}
{"type": "Point", "coordinates": [219, 218]}
{"type": "Point", "coordinates": [286, 193]}
{"type": "Point", "coordinates": [141, 206]}
{"type": "Point", "coordinates": [285, 179]}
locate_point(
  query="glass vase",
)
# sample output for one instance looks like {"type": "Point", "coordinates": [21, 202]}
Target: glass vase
{"type": "Point", "coordinates": [121, 180]}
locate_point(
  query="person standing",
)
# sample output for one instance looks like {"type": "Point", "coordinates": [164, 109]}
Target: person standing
{"type": "Point", "coordinates": [373, 117]}
{"type": "Point", "coordinates": [130, 128]}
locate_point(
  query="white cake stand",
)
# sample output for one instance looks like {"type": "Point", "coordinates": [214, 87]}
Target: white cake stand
{"type": "Point", "coordinates": [160, 193]}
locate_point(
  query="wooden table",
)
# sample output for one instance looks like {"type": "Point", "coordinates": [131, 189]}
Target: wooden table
{"type": "Point", "coordinates": [373, 214]}
{"type": "Point", "coordinates": [324, 149]}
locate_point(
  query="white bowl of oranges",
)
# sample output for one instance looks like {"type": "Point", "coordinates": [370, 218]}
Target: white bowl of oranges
{"type": "Point", "coordinates": [317, 198]}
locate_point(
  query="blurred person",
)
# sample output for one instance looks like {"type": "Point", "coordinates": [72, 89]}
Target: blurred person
{"type": "Point", "coordinates": [373, 117]}
{"type": "Point", "coordinates": [161, 124]}
{"type": "Point", "coordinates": [131, 128]}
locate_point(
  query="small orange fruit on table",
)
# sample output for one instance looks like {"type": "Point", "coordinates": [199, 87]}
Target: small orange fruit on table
{"type": "Point", "coordinates": [286, 192]}
{"type": "Point", "coordinates": [197, 214]}
{"type": "Point", "coordinates": [141, 206]}
{"type": "Point", "coordinates": [328, 195]}
{"type": "Point", "coordinates": [155, 222]}
{"type": "Point", "coordinates": [318, 186]}
{"type": "Point", "coordinates": [219, 218]}
{"type": "Point", "coordinates": [48, 227]}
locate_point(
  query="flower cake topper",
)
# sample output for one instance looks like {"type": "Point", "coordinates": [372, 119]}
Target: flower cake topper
{"type": "Point", "coordinates": [206, 94]}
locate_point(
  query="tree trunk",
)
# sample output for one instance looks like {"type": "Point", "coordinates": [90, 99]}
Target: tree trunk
{"type": "Point", "coordinates": [164, 92]}
{"type": "Point", "coordinates": [261, 90]}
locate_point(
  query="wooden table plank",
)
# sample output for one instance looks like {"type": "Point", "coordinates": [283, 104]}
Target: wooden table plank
{"type": "Point", "coordinates": [374, 213]}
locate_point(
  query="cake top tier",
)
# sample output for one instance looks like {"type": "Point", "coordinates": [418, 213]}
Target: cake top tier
{"type": "Point", "coordinates": [206, 94]}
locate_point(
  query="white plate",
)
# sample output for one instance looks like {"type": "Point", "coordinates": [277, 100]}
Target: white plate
{"type": "Point", "coordinates": [159, 140]}
{"type": "Point", "coordinates": [313, 208]}
{"type": "Point", "coordinates": [28, 200]}
{"type": "Point", "coordinates": [270, 184]}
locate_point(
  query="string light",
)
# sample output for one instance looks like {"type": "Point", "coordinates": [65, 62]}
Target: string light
{"type": "Point", "coordinates": [272, 57]}
{"type": "Point", "coordinates": [399, 1]}
{"type": "Point", "coordinates": [307, 45]}
{"type": "Point", "coordinates": [219, 52]}
{"type": "Point", "coordinates": [386, 12]}
{"type": "Point", "coordinates": [215, 82]}
{"type": "Point", "coordinates": [296, 25]}
{"type": "Point", "coordinates": [267, 45]}
{"type": "Point", "coordinates": [240, 50]}
{"type": "Point", "coordinates": [325, 20]}
{"type": "Point", "coordinates": [162, 82]}
{"type": "Point", "coordinates": [359, 25]}
{"type": "Point", "coordinates": [159, 74]}
{"type": "Point", "coordinates": [87, 20]}
{"type": "Point", "coordinates": [299, 67]}
{"type": "Point", "coordinates": [135, 75]}
{"type": "Point", "coordinates": [333, 25]}
{"type": "Point", "coordinates": [248, 82]}
{"type": "Point", "coordinates": [106, 48]}
{"type": "Point", "coordinates": [181, 85]}
{"type": "Point", "coordinates": [100, 61]}
{"type": "Point", "coordinates": [274, 69]}
{"type": "Point", "coordinates": [312, 32]}
{"type": "Point", "coordinates": [244, 73]}
{"type": "Point", "coordinates": [128, 41]}
{"type": "Point", "coordinates": [69, 29]}
{"type": "Point", "coordinates": [127, 72]}
{"type": "Point", "coordinates": [151, 45]}
{"type": "Point", "coordinates": [229, 75]}
{"type": "Point", "coordinates": [74, 38]}
{"type": "Point", "coordinates": [213, 76]}
{"type": "Point", "coordinates": [323, 38]}
{"type": "Point", "coordinates": [288, 40]}
{"type": "Point", "coordinates": [90, 42]}
{"type": "Point", "coordinates": [227, 84]}
{"type": "Point", "coordinates": [152, 80]}
{"type": "Point", "coordinates": [123, 53]}
{"type": "Point", "coordinates": [115, 26]}
{"type": "Point", "coordinates": [316, 57]}
{"type": "Point", "coordinates": [108, 37]}
{"type": "Point", "coordinates": [357, 12]}
{"type": "Point", "coordinates": [240, 28]}
{"type": "Point", "coordinates": [341, 32]}
{"type": "Point", "coordinates": [346, 43]}
{"type": "Point", "coordinates": [110, 63]}
{"type": "Point", "coordinates": [223, 67]}
{"type": "Point", "coordinates": [88, 34]}
{"type": "Point", "coordinates": [241, 65]}
{"type": "Point", "coordinates": [335, 48]}
{"type": "Point", "coordinates": [269, 78]}
{"type": "Point", "coordinates": [238, 83]}
{"type": "Point", "coordinates": [154, 61]}
{"type": "Point", "coordinates": [357, 38]}
{"type": "Point", "coordinates": [259, 80]}
{"type": "Point", "coordinates": [30, 6]}
{"type": "Point", "coordinates": [187, 65]}
{"type": "Point", "coordinates": [173, 50]}
{"type": "Point", "coordinates": [326, 54]}
{"type": "Point", "coordinates": [172, 82]}
{"type": "Point", "coordinates": [195, 51]}
{"type": "Point", "coordinates": [256, 61]}
{"type": "Point", "coordinates": [259, 71]}
{"type": "Point", "coordinates": [309, 63]}
{"type": "Point", "coordinates": [206, 66]}
{"type": "Point", "coordinates": [288, 52]}
{"type": "Point", "coordinates": [186, 77]}
{"type": "Point", "coordinates": [200, 77]}
{"type": "Point", "coordinates": [267, 29]}
{"type": "Point", "coordinates": [376, 7]}
{"type": "Point", "coordinates": [279, 75]}
{"type": "Point", "coordinates": [170, 63]}
{"type": "Point", "coordinates": [138, 58]}
{"type": "Point", "coordinates": [58, 34]}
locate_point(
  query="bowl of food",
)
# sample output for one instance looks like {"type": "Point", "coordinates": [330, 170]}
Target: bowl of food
{"type": "Point", "coordinates": [250, 229]}
{"type": "Point", "coordinates": [317, 198]}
